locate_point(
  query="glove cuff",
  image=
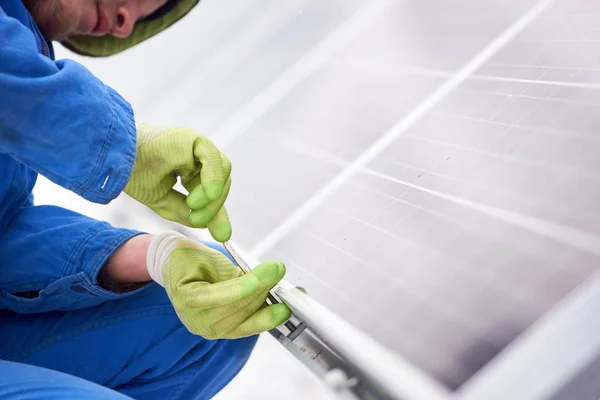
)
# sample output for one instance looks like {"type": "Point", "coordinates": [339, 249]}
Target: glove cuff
{"type": "Point", "coordinates": [160, 248]}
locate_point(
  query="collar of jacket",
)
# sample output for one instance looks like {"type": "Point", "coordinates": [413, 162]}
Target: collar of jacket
{"type": "Point", "coordinates": [104, 46]}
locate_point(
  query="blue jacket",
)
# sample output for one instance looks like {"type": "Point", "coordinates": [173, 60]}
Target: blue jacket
{"type": "Point", "coordinates": [56, 119]}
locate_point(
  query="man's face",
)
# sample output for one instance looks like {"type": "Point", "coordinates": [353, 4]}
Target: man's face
{"type": "Point", "coordinates": [59, 19]}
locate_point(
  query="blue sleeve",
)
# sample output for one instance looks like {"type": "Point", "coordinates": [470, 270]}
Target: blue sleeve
{"type": "Point", "coordinates": [51, 258]}
{"type": "Point", "coordinates": [60, 120]}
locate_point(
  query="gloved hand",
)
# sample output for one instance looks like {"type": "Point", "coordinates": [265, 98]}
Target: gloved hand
{"type": "Point", "coordinates": [212, 297]}
{"type": "Point", "coordinates": [165, 153]}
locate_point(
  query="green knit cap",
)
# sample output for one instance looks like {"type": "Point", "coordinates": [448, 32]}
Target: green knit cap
{"type": "Point", "coordinates": [103, 46]}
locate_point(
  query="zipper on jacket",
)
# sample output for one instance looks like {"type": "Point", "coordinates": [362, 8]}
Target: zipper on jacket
{"type": "Point", "coordinates": [44, 46]}
{"type": "Point", "coordinates": [45, 50]}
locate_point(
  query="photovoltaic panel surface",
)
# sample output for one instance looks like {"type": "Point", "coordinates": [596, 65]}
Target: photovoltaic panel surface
{"type": "Point", "coordinates": [477, 219]}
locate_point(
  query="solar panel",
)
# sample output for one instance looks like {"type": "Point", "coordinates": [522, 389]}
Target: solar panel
{"type": "Point", "coordinates": [475, 220]}
{"type": "Point", "coordinates": [426, 169]}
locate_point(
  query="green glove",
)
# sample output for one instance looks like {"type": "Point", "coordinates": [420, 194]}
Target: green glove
{"type": "Point", "coordinates": [166, 153]}
{"type": "Point", "coordinates": [212, 297]}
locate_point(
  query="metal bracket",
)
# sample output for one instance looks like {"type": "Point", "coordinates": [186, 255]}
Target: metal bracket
{"type": "Point", "coordinates": [295, 331]}
{"type": "Point", "coordinates": [323, 362]}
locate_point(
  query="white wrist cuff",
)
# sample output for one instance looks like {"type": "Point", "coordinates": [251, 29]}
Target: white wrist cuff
{"type": "Point", "coordinates": [161, 246]}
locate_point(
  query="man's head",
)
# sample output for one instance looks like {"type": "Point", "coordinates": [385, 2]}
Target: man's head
{"type": "Point", "coordinates": [59, 19]}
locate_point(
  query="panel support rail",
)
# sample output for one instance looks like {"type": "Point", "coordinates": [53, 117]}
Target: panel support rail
{"type": "Point", "coordinates": [350, 362]}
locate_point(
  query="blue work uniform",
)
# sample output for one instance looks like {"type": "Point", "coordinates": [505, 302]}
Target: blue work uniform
{"type": "Point", "coordinates": [61, 334]}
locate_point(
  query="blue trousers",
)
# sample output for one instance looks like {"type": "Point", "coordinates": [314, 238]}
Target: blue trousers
{"type": "Point", "coordinates": [133, 347]}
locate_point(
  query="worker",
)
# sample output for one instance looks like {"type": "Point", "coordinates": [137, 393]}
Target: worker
{"type": "Point", "coordinates": [87, 310]}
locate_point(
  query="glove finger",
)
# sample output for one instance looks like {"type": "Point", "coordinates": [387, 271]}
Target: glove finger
{"type": "Point", "coordinates": [237, 293]}
{"type": "Point", "coordinates": [212, 172]}
{"type": "Point", "coordinates": [219, 296]}
{"type": "Point", "coordinates": [268, 275]}
{"type": "Point", "coordinates": [201, 217]}
{"type": "Point", "coordinates": [256, 285]}
{"type": "Point", "coordinates": [220, 227]}
{"type": "Point", "coordinates": [173, 207]}
{"type": "Point", "coordinates": [224, 319]}
{"type": "Point", "coordinates": [264, 319]}
{"type": "Point", "coordinates": [197, 197]}
{"type": "Point", "coordinates": [191, 181]}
